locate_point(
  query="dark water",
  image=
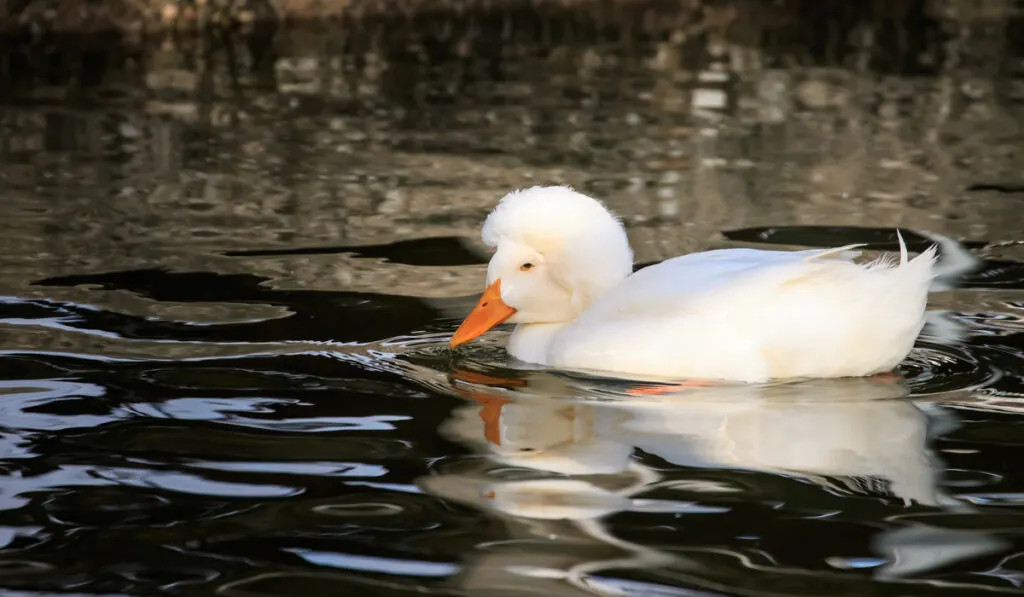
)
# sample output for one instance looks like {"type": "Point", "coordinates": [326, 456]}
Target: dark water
{"type": "Point", "coordinates": [230, 267]}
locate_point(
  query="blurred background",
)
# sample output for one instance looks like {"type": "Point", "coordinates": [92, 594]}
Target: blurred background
{"type": "Point", "coordinates": [236, 235]}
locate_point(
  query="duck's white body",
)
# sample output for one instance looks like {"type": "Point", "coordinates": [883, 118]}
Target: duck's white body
{"type": "Point", "coordinates": [734, 314]}
{"type": "Point", "coordinates": [743, 315]}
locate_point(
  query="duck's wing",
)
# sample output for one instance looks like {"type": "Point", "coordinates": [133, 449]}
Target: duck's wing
{"type": "Point", "coordinates": [690, 281]}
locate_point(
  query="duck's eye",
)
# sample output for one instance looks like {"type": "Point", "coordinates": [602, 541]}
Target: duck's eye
{"type": "Point", "coordinates": [526, 266]}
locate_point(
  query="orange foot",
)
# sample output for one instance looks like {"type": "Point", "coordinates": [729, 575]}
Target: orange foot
{"type": "Point", "coordinates": [659, 389]}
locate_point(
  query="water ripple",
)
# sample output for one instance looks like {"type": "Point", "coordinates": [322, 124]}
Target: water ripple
{"type": "Point", "coordinates": [229, 281]}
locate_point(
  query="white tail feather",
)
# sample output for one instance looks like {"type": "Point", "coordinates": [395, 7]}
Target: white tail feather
{"type": "Point", "coordinates": [903, 248]}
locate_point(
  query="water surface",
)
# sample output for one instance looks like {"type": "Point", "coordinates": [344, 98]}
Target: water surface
{"type": "Point", "coordinates": [229, 269]}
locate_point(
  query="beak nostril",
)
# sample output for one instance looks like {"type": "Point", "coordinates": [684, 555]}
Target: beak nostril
{"type": "Point", "coordinates": [483, 304]}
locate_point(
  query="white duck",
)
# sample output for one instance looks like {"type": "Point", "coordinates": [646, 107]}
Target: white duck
{"type": "Point", "coordinates": [563, 271]}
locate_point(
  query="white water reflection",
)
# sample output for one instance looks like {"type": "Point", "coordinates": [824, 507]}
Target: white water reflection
{"type": "Point", "coordinates": [852, 428]}
{"type": "Point", "coordinates": [859, 436]}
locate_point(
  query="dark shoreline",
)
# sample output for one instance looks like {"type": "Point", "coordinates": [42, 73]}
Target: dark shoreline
{"type": "Point", "coordinates": [137, 18]}
{"type": "Point", "coordinates": [907, 37]}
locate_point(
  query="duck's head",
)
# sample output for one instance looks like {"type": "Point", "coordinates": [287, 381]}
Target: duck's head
{"type": "Point", "coordinates": [555, 251]}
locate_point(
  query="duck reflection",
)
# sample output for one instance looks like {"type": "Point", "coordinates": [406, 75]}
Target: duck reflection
{"type": "Point", "coordinates": [557, 460]}
{"type": "Point", "coordinates": [857, 435]}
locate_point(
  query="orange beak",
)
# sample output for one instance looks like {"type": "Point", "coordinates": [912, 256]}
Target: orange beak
{"type": "Point", "coordinates": [487, 313]}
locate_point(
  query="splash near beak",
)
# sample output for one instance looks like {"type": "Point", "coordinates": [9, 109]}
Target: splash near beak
{"type": "Point", "coordinates": [488, 312]}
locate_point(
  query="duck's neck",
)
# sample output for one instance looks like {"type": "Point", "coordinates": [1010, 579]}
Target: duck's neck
{"type": "Point", "coordinates": [529, 341]}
